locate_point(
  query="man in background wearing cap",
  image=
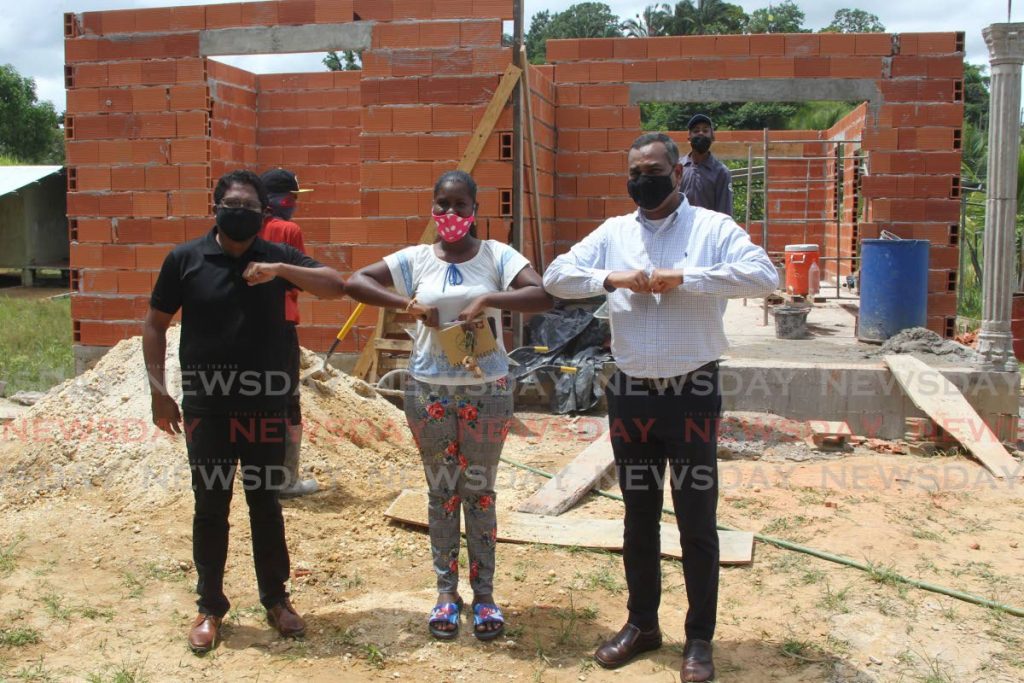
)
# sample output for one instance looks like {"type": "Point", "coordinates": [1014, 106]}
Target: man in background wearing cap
{"type": "Point", "coordinates": [283, 192]}
{"type": "Point", "coordinates": [706, 180]}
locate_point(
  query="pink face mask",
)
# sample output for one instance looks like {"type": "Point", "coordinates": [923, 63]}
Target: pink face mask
{"type": "Point", "coordinates": [453, 227]}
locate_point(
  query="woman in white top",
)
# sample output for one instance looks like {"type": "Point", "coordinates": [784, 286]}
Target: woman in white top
{"type": "Point", "coordinates": [459, 414]}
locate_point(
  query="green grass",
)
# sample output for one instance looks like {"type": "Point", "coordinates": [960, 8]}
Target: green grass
{"type": "Point", "coordinates": [8, 556]}
{"type": "Point", "coordinates": [801, 650]}
{"type": "Point", "coordinates": [18, 637]}
{"type": "Point", "coordinates": [35, 673]}
{"type": "Point", "coordinates": [123, 673]}
{"type": "Point", "coordinates": [132, 585]}
{"type": "Point", "coordinates": [35, 343]}
{"type": "Point", "coordinates": [570, 620]}
{"type": "Point", "coordinates": [56, 607]}
{"type": "Point", "coordinates": [375, 657]}
{"type": "Point", "coordinates": [834, 600]}
{"type": "Point", "coordinates": [604, 578]}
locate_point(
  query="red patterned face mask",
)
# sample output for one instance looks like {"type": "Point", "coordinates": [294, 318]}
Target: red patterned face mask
{"type": "Point", "coordinates": [452, 227]}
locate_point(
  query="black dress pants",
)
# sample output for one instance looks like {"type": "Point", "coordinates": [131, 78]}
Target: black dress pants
{"type": "Point", "coordinates": [674, 423]}
{"type": "Point", "coordinates": [219, 446]}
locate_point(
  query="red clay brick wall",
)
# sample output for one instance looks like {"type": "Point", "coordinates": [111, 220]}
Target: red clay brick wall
{"type": "Point", "coordinates": [151, 124]}
{"type": "Point", "coordinates": [233, 118]}
{"type": "Point", "coordinates": [310, 124]}
{"type": "Point", "coordinates": [542, 92]}
{"type": "Point", "coordinates": [912, 147]}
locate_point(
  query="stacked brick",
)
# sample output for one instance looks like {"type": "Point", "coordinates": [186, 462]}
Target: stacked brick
{"type": "Point", "coordinates": [310, 124]}
{"type": "Point", "coordinates": [543, 94]}
{"type": "Point", "coordinates": [912, 143]}
{"type": "Point", "coordinates": [425, 85]}
{"type": "Point", "coordinates": [152, 123]}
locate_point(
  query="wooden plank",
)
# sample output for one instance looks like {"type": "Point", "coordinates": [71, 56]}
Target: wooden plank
{"type": "Point", "coordinates": [947, 407]}
{"type": "Point", "coordinates": [538, 228]}
{"type": "Point", "coordinates": [736, 547]}
{"type": "Point", "coordinates": [393, 345]}
{"type": "Point", "coordinates": [574, 481]}
{"type": "Point", "coordinates": [738, 150]}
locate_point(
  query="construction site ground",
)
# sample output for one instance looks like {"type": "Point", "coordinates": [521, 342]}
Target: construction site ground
{"type": "Point", "coordinates": [97, 578]}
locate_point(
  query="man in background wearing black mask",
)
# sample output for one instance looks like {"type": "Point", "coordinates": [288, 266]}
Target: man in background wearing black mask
{"type": "Point", "coordinates": [706, 180]}
{"type": "Point", "coordinates": [235, 353]}
{"type": "Point", "coordinates": [668, 270]}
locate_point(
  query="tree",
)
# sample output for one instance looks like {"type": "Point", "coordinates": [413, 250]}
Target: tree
{"type": "Point", "coordinates": [30, 130]}
{"type": "Point", "coordinates": [582, 20]}
{"type": "Point", "coordinates": [854, 21]}
{"type": "Point", "coordinates": [536, 37]}
{"type": "Point", "coordinates": [656, 20]}
{"type": "Point", "coordinates": [348, 60]}
{"type": "Point", "coordinates": [708, 17]}
{"type": "Point", "coordinates": [976, 96]}
{"type": "Point", "coordinates": [785, 17]}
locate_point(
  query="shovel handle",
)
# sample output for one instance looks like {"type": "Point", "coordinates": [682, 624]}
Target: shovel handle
{"type": "Point", "coordinates": [343, 332]}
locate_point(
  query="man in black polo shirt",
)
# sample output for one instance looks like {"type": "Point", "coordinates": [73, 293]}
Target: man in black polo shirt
{"type": "Point", "coordinates": [235, 352]}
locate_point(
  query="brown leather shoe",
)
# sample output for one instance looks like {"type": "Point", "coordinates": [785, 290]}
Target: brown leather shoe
{"type": "Point", "coordinates": [697, 664]}
{"type": "Point", "coordinates": [202, 636]}
{"type": "Point", "coordinates": [286, 620]}
{"type": "Point", "coordinates": [626, 644]}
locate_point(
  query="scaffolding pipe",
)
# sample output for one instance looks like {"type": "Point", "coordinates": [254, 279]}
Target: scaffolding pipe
{"type": "Point", "coordinates": [841, 199]}
{"type": "Point", "coordinates": [764, 222]}
{"type": "Point", "coordinates": [750, 163]}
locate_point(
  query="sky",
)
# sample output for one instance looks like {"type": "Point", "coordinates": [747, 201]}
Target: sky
{"type": "Point", "coordinates": [32, 33]}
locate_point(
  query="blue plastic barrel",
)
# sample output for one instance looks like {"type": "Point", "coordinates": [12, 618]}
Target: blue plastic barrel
{"type": "Point", "coordinates": [893, 287]}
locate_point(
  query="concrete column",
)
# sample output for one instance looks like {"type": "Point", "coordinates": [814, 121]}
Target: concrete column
{"type": "Point", "coordinates": [1006, 55]}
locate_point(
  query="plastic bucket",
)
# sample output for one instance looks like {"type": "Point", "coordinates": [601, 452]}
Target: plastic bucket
{"type": "Point", "coordinates": [791, 322]}
{"type": "Point", "coordinates": [893, 287]}
{"type": "Point", "coordinates": [799, 258]}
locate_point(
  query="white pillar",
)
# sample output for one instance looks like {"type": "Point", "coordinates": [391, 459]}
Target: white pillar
{"type": "Point", "coordinates": [1006, 55]}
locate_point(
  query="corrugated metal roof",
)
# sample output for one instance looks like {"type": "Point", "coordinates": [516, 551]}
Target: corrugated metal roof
{"type": "Point", "coordinates": [16, 177]}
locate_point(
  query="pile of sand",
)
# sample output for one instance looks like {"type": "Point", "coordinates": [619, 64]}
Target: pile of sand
{"type": "Point", "coordinates": [96, 431]}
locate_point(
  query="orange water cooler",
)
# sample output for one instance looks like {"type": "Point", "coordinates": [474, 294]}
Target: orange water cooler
{"type": "Point", "coordinates": [799, 271]}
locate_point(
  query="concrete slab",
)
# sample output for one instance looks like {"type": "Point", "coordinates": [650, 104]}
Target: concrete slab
{"type": "Point", "coordinates": [264, 40]}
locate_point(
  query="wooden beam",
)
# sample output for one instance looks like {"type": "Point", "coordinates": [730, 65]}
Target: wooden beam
{"type": "Point", "coordinates": [538, 228]}
{"type": "Point", "coordinates": [574, 481]}
{"type": "Point", "coordinates": [738, 150]}
{"type": "Point", "coordinates": [947, 407]}
{"type": "Point", "coordinates": [735, 547]}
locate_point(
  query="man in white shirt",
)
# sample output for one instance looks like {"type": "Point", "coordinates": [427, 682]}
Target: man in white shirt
{"type": "Point", "coordinates": [668, 270]}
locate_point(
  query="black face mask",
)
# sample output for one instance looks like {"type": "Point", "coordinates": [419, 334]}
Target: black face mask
{"type": "Point", "coordinates": [239, 224]}
{"type": "Point", "coordinates": [700, 144]}
{"type": "Point", "coordinates": [649, 191]}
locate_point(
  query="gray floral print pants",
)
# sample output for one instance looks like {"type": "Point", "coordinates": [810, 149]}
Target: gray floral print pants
{"type": "Point", "coordinates": [460, 431]}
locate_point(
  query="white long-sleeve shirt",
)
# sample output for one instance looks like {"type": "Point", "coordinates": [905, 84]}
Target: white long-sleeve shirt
{"type": "Point", "coordinates": [669, 334]}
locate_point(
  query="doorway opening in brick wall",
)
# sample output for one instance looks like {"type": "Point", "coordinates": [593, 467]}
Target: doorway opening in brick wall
{"type": "Point", "coordinates": [795, 170]}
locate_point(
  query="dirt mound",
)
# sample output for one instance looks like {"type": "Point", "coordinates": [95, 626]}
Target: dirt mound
{"type": "Point", "coordinates": [96, 431]}
{"type": "Point", "coordinates": [921, 340]}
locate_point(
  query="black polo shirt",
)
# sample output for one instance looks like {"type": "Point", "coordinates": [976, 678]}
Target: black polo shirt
{"type": "Point", "coordinates": [236, 344]}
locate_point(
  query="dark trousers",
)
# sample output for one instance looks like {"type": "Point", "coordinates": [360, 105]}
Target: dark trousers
{"type": "Point", "coordinates": [676, 424]}
{"type": "Point", "coordinates": [217, 447]}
